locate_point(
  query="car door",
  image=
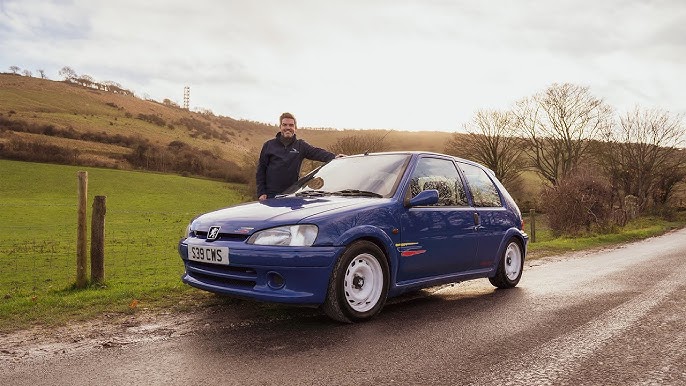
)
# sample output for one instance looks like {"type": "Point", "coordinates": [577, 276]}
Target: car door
{"type": "Point", "coordinates": [439, 239]}
{"type": "Point", "coordinates": [492, 217]}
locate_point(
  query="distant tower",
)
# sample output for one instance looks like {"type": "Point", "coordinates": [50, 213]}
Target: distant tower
{"type": "Point", "coordinates": [186, 96]}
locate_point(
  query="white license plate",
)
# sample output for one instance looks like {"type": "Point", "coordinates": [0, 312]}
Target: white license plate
{"type": "Point", "coordinates": [208, 254]}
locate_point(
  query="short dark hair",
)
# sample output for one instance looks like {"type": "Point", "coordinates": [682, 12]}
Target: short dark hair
{"type": "Point", "coordinates": [287, 115]}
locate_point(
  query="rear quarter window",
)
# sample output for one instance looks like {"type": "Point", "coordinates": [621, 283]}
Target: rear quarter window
{"type": "Point", "coordinates": [484, 191]}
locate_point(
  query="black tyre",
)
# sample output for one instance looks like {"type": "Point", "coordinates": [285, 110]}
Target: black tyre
{"type": "Point", "coordinates": [510, 266]}
{"type": "Point", "coordinates": [359, 283]}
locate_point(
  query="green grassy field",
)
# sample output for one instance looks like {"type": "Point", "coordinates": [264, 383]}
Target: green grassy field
{"type": "Point", "coordinates": [146, 215]}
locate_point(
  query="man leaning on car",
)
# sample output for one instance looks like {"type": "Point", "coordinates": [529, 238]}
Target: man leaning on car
{"type": "Point", "coordinates": [281, 158]}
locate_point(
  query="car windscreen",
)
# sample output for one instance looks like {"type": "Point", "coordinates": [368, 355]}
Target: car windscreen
{"type": "Point", "coordinates": [374, 175]}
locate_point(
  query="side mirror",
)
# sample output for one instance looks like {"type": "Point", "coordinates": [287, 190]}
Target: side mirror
{"type": "Point", "coordinates": [424, 198]}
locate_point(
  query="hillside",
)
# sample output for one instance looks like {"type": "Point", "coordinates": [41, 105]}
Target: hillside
{"type": "Point", "coordinates": [101, 128]}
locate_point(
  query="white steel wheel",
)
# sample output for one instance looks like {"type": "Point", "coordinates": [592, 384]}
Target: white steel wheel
{"type": "Point", "coordinates": [363, 282]}
{"type": "Point", "coordinates": [513, 261]}
{"type": "Point", "coordinates": [359, 283]}
{"type": "Point", "coordinates": [510, 266]}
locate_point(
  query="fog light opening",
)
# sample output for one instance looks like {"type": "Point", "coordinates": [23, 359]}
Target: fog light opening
{"type": "Point", "coordinates": [275, 281]}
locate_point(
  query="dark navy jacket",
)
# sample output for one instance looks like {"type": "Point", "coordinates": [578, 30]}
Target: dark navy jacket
{"type": "Point", "coordinates": [279, 165]}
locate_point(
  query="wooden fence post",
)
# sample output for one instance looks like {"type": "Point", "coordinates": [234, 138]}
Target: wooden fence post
{"type": "Point", "coordinates": [98, 239]}
{"type": "Point", "coordinates": [81, 237]}
{"type": "Point", "coordinates": [532, 221]}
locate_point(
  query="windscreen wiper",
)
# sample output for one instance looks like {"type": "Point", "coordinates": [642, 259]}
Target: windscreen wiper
{"type": "Point", "coordinates": [356, 192]}
{"type": "Point", "coordinates": [312, 193]}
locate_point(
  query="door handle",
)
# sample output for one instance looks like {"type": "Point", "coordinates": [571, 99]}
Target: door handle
{"type": "Point", "coordinates": [477, 221]}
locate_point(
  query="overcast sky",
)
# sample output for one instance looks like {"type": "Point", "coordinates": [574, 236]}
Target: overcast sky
{"type": "Point", "coordinates": [406, 65]}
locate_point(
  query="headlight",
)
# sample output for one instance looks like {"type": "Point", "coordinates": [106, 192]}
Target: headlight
{"type": "Point", "coordinates": [189, 228]}
{"type": "Point", "coordinates": [291, 235]}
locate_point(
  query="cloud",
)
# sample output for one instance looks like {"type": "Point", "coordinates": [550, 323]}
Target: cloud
{"type": "Point", "coordinates": [413, 65]}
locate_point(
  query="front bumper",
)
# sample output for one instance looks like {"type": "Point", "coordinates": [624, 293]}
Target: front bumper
{"type": "Point", "coordinates": [296, 275]}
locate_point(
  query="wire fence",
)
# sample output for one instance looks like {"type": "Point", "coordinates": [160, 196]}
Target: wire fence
{"type": "Point", "coordinates": [37, 255]}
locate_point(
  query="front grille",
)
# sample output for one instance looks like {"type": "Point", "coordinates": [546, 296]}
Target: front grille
{"type": "Point", "coordinates": [223, 236]}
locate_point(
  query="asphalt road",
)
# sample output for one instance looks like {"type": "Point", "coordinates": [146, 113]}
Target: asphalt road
{"type": "Point", "coordinates": [613, 317]}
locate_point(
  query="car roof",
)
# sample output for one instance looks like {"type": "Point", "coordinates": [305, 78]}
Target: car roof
{"type": "Point", "coordinates": [419, 152]}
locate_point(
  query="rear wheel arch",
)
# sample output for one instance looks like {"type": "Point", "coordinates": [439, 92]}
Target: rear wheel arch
{"type": "Point", "coordinates": [513, 234]}
{"type": "Point", "coordinates": [522, 244]}
{"type": "Point", "coordinates": [510, 264]}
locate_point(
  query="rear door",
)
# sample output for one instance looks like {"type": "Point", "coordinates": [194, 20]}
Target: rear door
{"type": "Point", "coordinates": [492, 217]}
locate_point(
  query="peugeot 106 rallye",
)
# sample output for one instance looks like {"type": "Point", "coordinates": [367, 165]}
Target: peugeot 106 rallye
{"type": "Point", "coordinates": [361, 229]}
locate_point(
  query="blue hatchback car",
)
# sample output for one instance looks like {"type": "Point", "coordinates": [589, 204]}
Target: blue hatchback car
{"type": "Point", "coordinates": [361, 229]}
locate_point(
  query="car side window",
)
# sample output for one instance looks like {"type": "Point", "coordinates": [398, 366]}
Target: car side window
{"type": "Point", "coordinates": [439, 174]}
{"type": "Point", "coordinates": [484, 192]}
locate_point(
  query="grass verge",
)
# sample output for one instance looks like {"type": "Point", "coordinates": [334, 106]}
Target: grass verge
{"type": "Point", "coordinates": [637, 229]}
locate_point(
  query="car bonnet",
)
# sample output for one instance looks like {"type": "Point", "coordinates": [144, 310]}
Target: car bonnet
{"type": "Point", "coordinates": [250, 217]}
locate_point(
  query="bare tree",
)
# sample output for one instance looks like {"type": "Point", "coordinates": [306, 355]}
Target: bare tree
{"type": "Point", "coordinates": [169, 102]}
{"type": "Point", "coordinates": [351, 144]}
{"type": "Point", "coordinates": [558, 125]}
{"type": "Point", "coordinates": [109, 83]}
{"type": "Point", "coordinates": [27, 73]}
{"type": "Point", "coordinates": [491, 140]}
{"type": "Point", "coordinates": [68, 73]}
{"type": "Point", "coordinates": [15, 69]}
{"type": "Point", "coordinates": [204, 111]}
{"type": "Point", "coordinates": [673, 172]}
{"type": "Point", "coordinates": [642, 155]}
{"type": "Point", "coordinates": [85, 80]}
{"type": "Point", "coordinates": [41, 73]}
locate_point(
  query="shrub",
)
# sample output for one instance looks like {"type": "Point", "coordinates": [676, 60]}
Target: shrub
{"type": "Point", "coordinates": [580, 202]}
{"type": "Point", "coordinates": [358, 144]}
{"type": "Point", "coordinates": [201, 128]}
{"type": "Point", "coordinates": [151, 118]}
{"type": "Point", "coordinates": [249, 169]}
{"type": "Point", "coordinates": [179, 157]}
{"type": "Point", "coordinates": [20, 150]}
